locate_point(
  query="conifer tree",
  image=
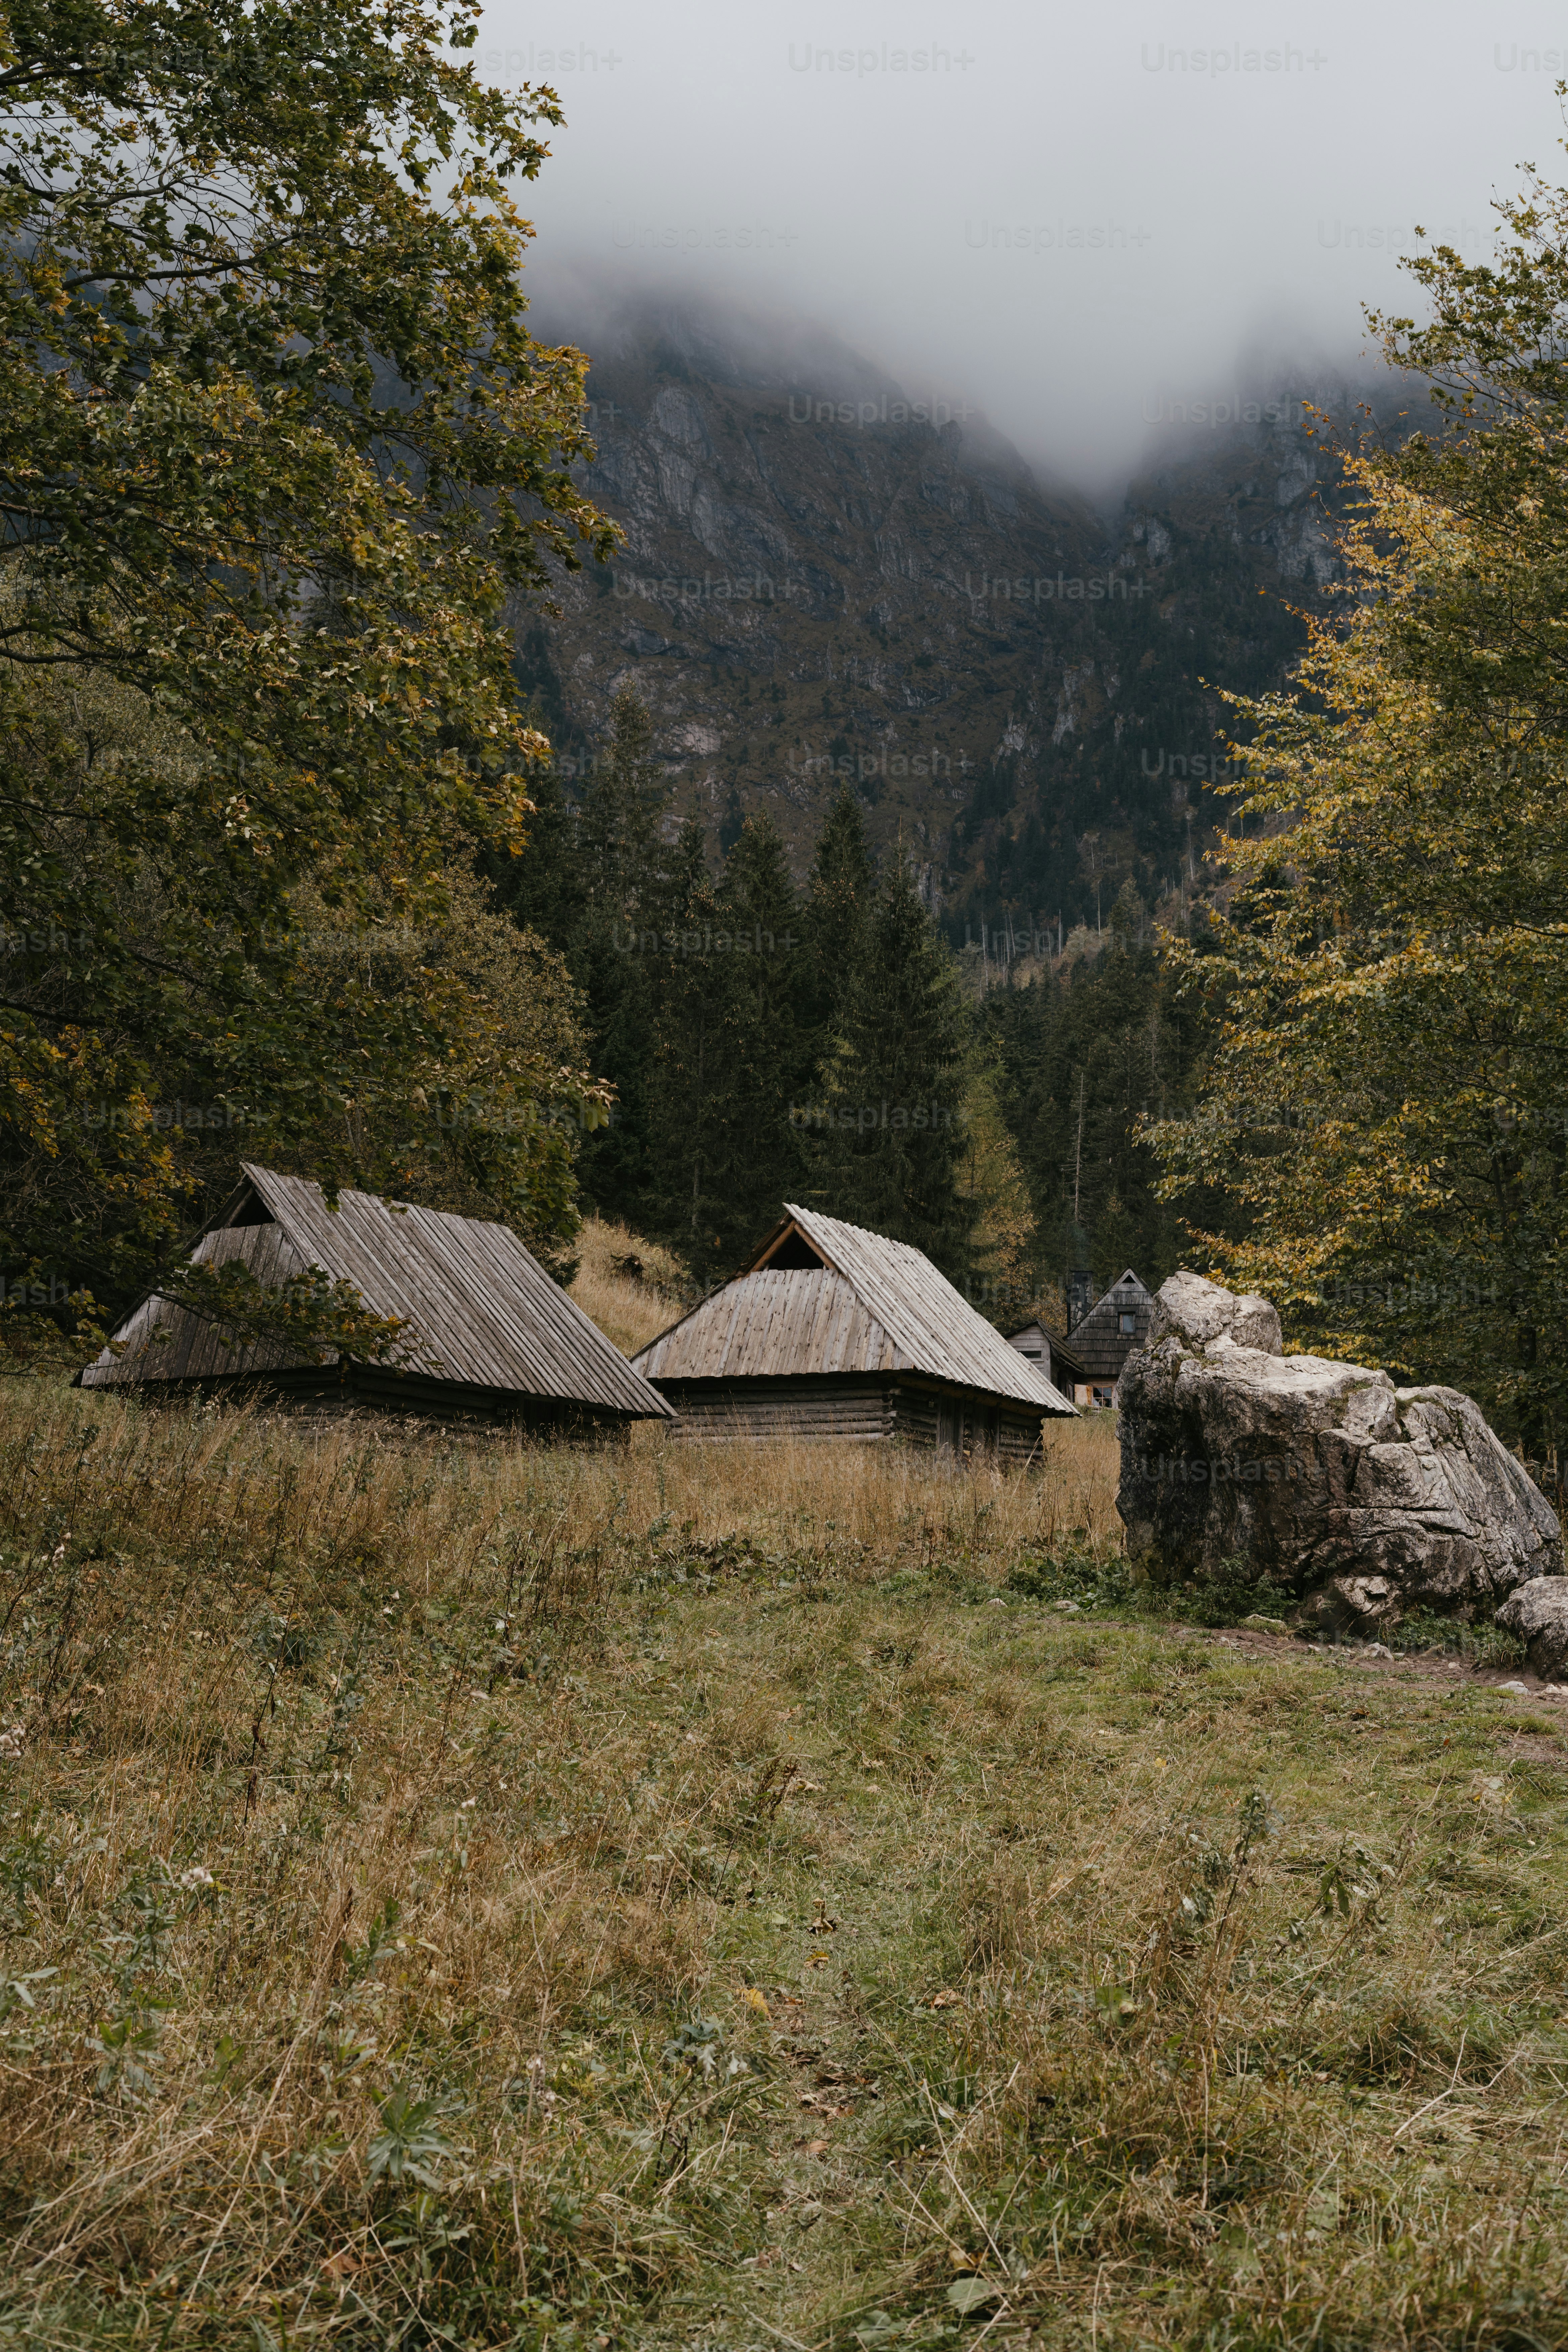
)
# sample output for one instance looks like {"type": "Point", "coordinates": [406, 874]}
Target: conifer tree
{"type": "Point", "coordinates": [731, 1056]}
{"type": "Point", "coordinates": [688, 1081]}
{"type": "Point", "coordinates": [1086, 1053]}
{"type": "Point", "coordinates": [543, 889]}
{"type": "Point", "coordinates": [542, 886]}
{"type": "Point", "coordinates": [615, 955]}
{"type": "Point", "coordinates": [618, 832]}
{"type": "Point", "coordinates": [843, 888]}
{"type": "Point", "coordinates": [890, 1143]}
{"type": "Point", "coordinates": [771, 1048]}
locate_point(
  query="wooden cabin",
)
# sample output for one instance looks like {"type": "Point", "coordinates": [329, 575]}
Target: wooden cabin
{"type": "Point", "coordinates": [834, 1332]}
{"type": "Point", "coordinates": [1107, 1336]}
{"type": "Point", "coordinates": [490, 1338]}
{"type": "Point", "coordinates": [1054, 1356]}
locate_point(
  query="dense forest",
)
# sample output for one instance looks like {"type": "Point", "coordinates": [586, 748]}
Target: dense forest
{"type": "Point", "coordinates": [825, 1043]}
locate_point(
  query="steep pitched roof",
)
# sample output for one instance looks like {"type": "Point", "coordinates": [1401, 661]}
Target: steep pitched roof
{"type": "Point", "coordinates": [482, 1312]}
{"type": "Point", "coordinates": [1099, 1342]}
{"type": "Point", "coordinates": [847, 1301]}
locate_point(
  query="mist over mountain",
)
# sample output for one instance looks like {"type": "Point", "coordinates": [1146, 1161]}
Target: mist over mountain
{"type": "Point", "coordinates": [830, 576]}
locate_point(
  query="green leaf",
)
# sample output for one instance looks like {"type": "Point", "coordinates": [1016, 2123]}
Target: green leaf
{"type": "Point", "coordinates": [410, 2145]}
{"type": "Point", "coordinates": [968, 2296]}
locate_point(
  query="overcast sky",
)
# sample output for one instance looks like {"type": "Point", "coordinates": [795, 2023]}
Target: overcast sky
{"type": "Point", "coordinates": [1069, 216]}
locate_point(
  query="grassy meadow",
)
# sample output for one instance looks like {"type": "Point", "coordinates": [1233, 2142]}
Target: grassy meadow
{"type": "Point", "coordinates": [474, 1894]}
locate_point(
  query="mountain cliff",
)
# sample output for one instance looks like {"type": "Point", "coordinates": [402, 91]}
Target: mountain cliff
{"type": "Point", "coordinates": [826, 578]}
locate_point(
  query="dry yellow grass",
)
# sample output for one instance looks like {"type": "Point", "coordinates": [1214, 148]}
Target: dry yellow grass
{"type": "Point", "coordinates": [547, 1897]}
{"type": "Point", "coordinates": [630, 1308]}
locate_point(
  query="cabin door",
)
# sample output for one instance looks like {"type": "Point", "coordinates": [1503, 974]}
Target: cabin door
{"type": "Point", "coordinates": [949, 1429]}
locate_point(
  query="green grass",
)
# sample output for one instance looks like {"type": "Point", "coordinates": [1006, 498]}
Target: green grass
{"type": "Point", "coordinates": [453, 1900]}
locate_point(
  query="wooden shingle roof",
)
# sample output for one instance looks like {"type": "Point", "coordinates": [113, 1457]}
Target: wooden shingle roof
{"type": "Point", "coordinates": [482, 1312]}
{"type": "Point", "coordinates": [1099, 1342]}
{"type": "Point", "coordinates": [787, 1321]}
{"type": "Point", "coordinates": [852, 1301]}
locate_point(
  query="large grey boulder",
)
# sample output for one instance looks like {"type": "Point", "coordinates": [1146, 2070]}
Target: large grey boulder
{"type": "Point", "coordinates": [1538, 1613]}
{"type": "Point", "coordinates": [1360, 1499]}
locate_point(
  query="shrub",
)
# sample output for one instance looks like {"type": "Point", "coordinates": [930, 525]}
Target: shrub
{"type": "Point", "coordinates": [1480, 1645]}
{"type": "Point", "coordinates": [1232, 1591]}
{"type": "Point", "coordinates": [1094, 1580]}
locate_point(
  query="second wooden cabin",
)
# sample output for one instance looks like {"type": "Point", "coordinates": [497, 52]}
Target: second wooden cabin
{"type": "Point", "coordinates": [834, 1332]}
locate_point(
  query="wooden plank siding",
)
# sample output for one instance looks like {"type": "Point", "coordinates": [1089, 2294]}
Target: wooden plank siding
{"type": "Point", "coordinates": [1055, 1358]}
{"type": "Point", "coordinates": [972, 1427]}
{"type": "Point", "coordinates": [854, 1408]}
{"type": "Point", "coordinates": [781, 1407]}
{"type": "Point", "coordinates": [1099, 1342]}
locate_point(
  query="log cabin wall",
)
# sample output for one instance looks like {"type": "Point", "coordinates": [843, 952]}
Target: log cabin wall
{"type": "Point", "coordinates": [863, 1411]}
{"type": "Point", "coordinates": [803, 1407]}
{"type": "Point", "coordinates": [959, 1424]}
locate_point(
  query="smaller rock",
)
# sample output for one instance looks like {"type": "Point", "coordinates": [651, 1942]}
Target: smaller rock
{"type": "Point", "coordinates": [1520, 1690]}
{"type": "Point", "coordinates": [1266, 1624]}
{"type": "Point", "coordinates": [1202, 1312]}
{"type": "Point", "coordinates": [1537, 1612]}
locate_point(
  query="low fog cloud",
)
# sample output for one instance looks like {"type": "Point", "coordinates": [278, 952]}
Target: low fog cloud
{"type": "Point", "coordinates": [1075, 218]}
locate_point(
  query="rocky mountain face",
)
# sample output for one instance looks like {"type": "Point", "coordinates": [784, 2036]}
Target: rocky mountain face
{"type": "Point", "coordinates": [825, 579]}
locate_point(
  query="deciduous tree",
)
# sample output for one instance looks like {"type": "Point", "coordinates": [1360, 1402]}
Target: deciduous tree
{"type": "Point", "coordinates": [1389, 1099]}
{"type": "Point", "coordinates": [276, 448]}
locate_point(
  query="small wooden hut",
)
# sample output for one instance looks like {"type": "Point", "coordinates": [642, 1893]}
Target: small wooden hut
{"type": "Point", "coordinates": [1054, 1356]}
{"type": "Point", "coordinates": [490, 1338]}
{"type": "Point", "coordinates": [834, 1332]}
{"type": "Point", "coordinates": [1107, 1336]}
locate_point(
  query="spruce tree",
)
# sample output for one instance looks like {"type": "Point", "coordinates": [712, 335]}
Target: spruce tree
{"type": "Point", "coordinates": [1086, 1052]}
{"type": "Point", "coordinates": [688, 1080]}
{"type": "Point", "coordinates": [615, 955]}
{"type": "Point", "coordinates": [541, 888]}
{"type": "Point", "coordinates": [770, 1051]}
{"type": "Point", "coordinates": [731, 1059]}
{"type": "Point", "coordinates": [889, 1145]}
{"type": "Point", "coordinates": [622, 809]}
{"type": "Point", "coordinates": [839, 905]}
